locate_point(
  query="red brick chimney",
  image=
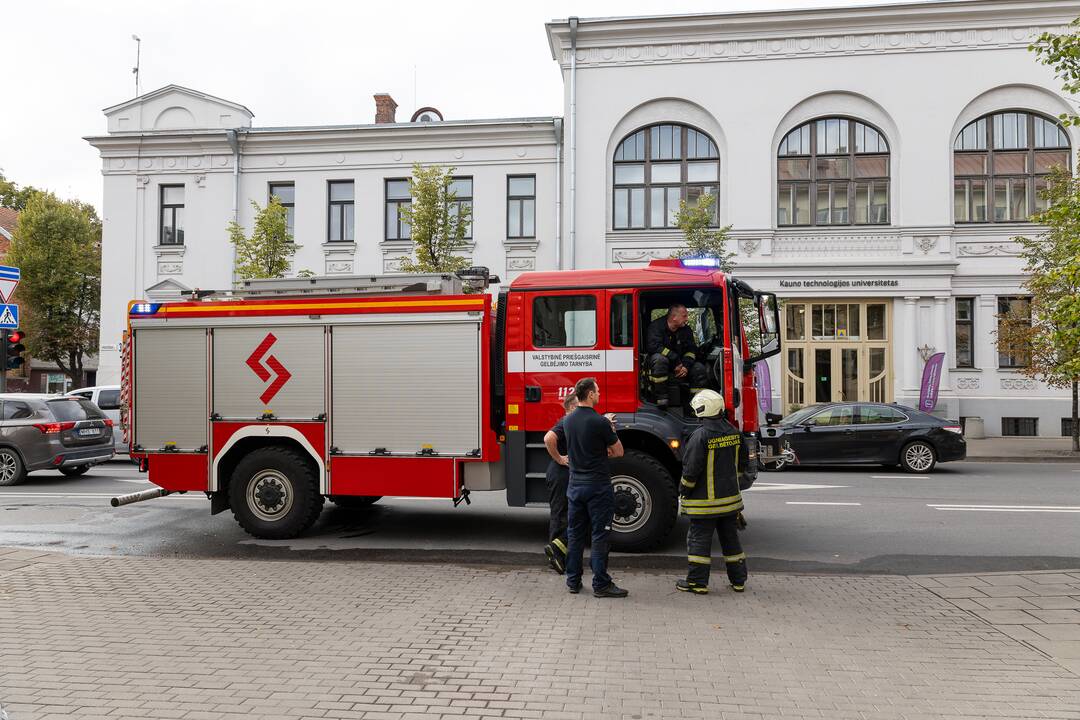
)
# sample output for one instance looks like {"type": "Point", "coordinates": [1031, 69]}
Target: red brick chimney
{"type": "Point", "coordinates": [384, 108]}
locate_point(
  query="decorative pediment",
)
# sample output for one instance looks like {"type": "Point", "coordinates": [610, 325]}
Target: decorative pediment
{"type": "Point", "coordinates": [176, 108]}
{"type": "Point", "coordinates": [167, 289]}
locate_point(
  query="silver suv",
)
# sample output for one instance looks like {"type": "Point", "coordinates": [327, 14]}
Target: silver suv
{"type": "Point", "coordinates": [51, 432]}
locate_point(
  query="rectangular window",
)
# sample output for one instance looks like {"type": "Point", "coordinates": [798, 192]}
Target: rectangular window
{"type": "Point", "coordinates": [171, 222]}
{"type": "Point", "coordinates": [1066, 427]}
{"type": "Point", "coordinates": [1020, 308]}
{"type": "Point", "coordinates": [342, 221]}
{"type": "Point", "coordinates": [622, 320]}
{"type": "Point", "coordinates": [564, 321]}
{"type": "Point", "coordinates": [875, 321]}
{"type": "Point", "coordinates": [796, 322]}
{"type": "Point", "coordinates": [520, 206]}
{"type": "Point", "coordinates": [286, 195]}
{"type": "Point", "coordinates": [1019, 426]}
{"type": "Point", "coordinates": [961, 201]}
{"type": "Point", "coordinates": [398, 196]}
{"type": "Point", "coordinates": [462, 187]}
{"type": "Point", "coordinates": [965, 326]}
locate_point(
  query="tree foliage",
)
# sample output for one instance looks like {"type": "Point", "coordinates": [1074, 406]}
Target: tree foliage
{"type": "Point", "coordinates": [13, 196]}
{"type": "Point", "coordinates": [438, 223]}
{"type": "Point", "coordinates": [57, 245]}
{"type": "Point", "coordinates": [1062, 54]}
{"type": "Point", "coordinates": [702, 238]}
{"type": "Point", "coordinates": [269, 250]}
{"type": "Point", "coordinates": [1050, 338]}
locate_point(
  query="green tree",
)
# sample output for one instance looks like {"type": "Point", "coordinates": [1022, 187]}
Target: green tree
{"type": "Point", "coordinates": [13, 196]}
{"type": "Point", "coordinates": [57, 245]}
{"type": "Point", "coordinates": [1049, 338]}
{"type": "Point", "coordinates": [702, 238]}
{"type": "Point", "coordinates": [438, 223]}
{"type": "Point", "coordinates": [1062, 54]}
{"type": "Point", "coordinates": [267, 253]}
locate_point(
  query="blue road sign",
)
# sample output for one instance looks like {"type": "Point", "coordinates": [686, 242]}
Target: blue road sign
{"type": "Point", "coordinates": [9, 317]}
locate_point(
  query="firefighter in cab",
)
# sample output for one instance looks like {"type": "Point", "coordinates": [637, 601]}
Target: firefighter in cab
{"type": "Point", "coordinates": [673, 356]}
{"type": "Point", "coordinates": [713, 458]}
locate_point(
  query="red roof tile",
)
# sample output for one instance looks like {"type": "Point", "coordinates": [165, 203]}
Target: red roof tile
{"type": "Point", "coordinates": [8, 218]}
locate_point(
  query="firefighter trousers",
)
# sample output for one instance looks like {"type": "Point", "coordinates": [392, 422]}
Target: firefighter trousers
{"type": "Point", "coordinates": [557, 479]}
{"type": "Point", "coordinates": [699, 549]}
{"type": "Point", "coordinates": [662, 376]}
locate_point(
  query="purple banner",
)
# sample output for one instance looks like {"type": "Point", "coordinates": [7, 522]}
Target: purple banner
{"type": "Point", "coordinates": [764, 386]}
{"type": "Point", "coordinates": [931, 379]}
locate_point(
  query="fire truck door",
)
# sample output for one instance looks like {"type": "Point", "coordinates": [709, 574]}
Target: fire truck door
{"type": "Point", "coordinates": [565, 341]}
{"type": "Point", "coordinates": [271, 369]}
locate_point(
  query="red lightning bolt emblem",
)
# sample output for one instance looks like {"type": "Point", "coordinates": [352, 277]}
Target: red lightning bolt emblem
{"type": "Point", "coordinates": [254, 362]}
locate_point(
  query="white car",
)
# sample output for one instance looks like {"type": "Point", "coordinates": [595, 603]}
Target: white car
{"type": "Point", "coordinates": [107, 397]}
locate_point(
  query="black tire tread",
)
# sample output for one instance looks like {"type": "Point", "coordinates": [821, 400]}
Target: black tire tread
{"type": "Point", "coordinates": [74, 470]}
{"type": "Point", "coordinates": [300, 472]}
{"type": "Point", "coordinates": [667, 521]}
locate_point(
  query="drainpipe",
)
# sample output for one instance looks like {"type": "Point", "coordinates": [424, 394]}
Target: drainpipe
{"type": "Point", "coordinates": [558, 192]}
{"type": "Point", "coordinates": [573, 142]}
{"type": "Point", "coordinates": [232, 136]}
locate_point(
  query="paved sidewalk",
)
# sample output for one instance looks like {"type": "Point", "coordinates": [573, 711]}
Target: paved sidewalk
{"type": "Point", "coordinates": [124, 637]}
{"type": "Point", "coordinates": [1021, 449]}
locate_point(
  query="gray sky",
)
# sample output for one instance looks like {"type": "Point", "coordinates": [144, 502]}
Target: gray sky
{"type": "Point", "coordinates": [310, 62]}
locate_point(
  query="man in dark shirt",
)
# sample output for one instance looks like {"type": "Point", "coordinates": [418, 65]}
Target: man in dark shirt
{"type": "Point", "coordinates": [590, 441]}
{"type": "Point", "coordinates": [557, 478]}
{"type": "Point", "coordinates": [673, 355]}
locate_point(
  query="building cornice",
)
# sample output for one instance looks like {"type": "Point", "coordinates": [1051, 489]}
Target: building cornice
{"type": "Point", "coordinates": [896, 28]}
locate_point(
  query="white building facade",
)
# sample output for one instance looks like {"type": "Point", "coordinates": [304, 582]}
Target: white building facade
{"type": "Point", "coordinates": [873, 164]}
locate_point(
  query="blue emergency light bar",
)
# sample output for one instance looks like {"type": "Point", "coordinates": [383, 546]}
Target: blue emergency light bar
{"type": "Point", "coordinates": [701, 262]}
{"type": "Point", "coordinates": [145, 308]}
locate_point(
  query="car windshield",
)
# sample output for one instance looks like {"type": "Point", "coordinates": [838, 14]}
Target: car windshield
{"type": "Point", "coordinates": [799, 415]}
{"type": "Point", "coordinates": [70, 409]}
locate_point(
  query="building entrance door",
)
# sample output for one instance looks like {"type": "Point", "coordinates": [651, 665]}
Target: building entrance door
{"type": "Point", "coordinates": [836, 351]}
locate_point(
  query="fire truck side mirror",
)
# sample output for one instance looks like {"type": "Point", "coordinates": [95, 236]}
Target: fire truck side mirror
{"type": "Point", "coordinates": [768, 311]}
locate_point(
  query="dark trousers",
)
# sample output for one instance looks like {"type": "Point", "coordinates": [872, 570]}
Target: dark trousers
{"type": "Point", "coordinates": [699, 548]}
{"type": "Point", "coordinates": [558, 477]}
{"type": "Point", "coordinates": [662, 376]}
{"type": "Point", "coordinates": [592, 505]}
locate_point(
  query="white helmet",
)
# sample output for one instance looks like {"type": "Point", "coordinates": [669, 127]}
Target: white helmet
{"type": "Point", "coordinates": [707, 403]}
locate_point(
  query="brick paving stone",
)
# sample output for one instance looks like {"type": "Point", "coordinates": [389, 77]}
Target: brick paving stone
{"type": "Point", "coordinates": [233, 639]}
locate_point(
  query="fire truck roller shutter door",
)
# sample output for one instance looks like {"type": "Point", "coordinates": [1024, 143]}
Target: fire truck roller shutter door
{"type": "Point", "coordinates": [279, 369]}
{"type": "Point", "coordinates": [407, 400]}
{"type": "Point", "coordinates": [170, 388]}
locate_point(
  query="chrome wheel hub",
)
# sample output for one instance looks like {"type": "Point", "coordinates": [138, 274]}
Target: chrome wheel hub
{"type": "Point", "coordinates": [269, 495]}
{"type": "Point", "coordinates": [8, 466]}
{"type": "Point", "coordinates": [919, 457]}
{"type": "Point", "coordinates": [633, 504]}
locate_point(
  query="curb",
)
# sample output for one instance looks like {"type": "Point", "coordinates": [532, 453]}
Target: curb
{"type": "Point", "coordinates": [1023, 459]}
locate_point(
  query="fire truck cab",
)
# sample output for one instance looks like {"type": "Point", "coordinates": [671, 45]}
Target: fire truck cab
{"type": "Point", "coordinates": [282, 394]}
{"type": "Point", "coordinates": [559, 327]}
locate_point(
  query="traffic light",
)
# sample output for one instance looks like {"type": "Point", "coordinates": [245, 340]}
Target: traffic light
{"type": "Point", "coordinates": [13, 349]}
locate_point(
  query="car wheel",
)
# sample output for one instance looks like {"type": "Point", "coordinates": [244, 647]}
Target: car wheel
{"type": "Point", "coordinates": [918, 457]}
{"type": "Point", "coordinates": [645, 507]}
{"type": "Point", "coordinates": [74, 470]}
{"type": "Point", "coordinates": [12, 470]}
{"type": "Point", "coordinates": [274, 493]}
{"type": "Point", "coordinates": [353, 502]}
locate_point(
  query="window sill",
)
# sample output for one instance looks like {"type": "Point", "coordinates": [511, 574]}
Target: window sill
{"type": "Point", "coordinates": [965, 370]}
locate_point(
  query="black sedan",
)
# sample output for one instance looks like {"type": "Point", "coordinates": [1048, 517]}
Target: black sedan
{"type": "Point", "coordinates": [864, 433]}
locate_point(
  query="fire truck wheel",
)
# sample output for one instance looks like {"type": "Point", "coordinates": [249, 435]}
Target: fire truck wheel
{"type": "Point", "coordinates": [274, 493]}
{"type": "Point", "coordinates": [645, 508]}
{"type": "Point", "coordinates": [353, 502]}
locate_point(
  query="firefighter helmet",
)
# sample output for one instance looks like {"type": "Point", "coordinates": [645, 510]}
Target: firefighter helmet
{"type": "Point", "coordinates": [707, 403]}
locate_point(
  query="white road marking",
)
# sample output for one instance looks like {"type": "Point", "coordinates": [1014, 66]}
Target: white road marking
{"type": "Point", "coordinates": [822, 503]}
{"type": "Point", "coordinates": [1009, 508]}
{"type": "Point", "coordinates": [900, 477]}
{"type": "Point", "coordinates": [763, 486]}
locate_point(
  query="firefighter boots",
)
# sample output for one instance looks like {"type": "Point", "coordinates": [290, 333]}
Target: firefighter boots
{"type": "Point", "coordinates": [556, 555]}
{"type": "Point", "coordinates": [691, 587]}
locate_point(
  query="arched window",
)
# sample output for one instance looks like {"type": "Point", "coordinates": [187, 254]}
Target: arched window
{"type": "Point", "coordinates": [1000, 165]}
{"type": "Point", "coordinates": [657, 166]}
{"type": "Point", "coordinates": [833, 171]}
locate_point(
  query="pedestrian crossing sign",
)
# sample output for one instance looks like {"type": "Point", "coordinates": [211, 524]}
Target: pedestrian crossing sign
{"type": "Point", "coordinates": [9, 316]}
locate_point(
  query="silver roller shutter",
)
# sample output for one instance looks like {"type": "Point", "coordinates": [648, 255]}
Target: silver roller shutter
{"type": "Point", "coordinates": [406, 386]}
{"type": "Point", "coordinates": [170, 388]}
{"type": "Point", "coordinates": [239, 389]}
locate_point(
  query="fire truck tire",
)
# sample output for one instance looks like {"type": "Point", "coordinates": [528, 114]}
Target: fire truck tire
{"type": "Point", "coordinates": [353, 502]}
{"type": "Point", "coordinates": [645, 502]}
{"type": "Point", "coordinates": [274, 493]}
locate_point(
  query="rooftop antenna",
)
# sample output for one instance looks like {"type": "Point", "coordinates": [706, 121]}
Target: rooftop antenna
{"type": "Point", "coordinates": [135, 70]}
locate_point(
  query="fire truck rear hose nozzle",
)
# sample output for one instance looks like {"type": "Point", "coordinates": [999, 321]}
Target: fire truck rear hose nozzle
{"type": "Point", "coordinates": [138, 497]}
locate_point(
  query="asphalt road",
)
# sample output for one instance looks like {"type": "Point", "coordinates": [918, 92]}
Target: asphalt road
{"type": "Point", "coordinates": [964, 517]}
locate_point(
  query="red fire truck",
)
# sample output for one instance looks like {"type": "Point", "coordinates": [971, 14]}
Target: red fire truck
{"type": "Point", "coordinates": [284, 393]}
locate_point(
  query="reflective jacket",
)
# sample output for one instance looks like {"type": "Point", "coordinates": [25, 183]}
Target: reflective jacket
{"type": "Point", "coordinates": [712, 460]}
{"type": "Point", "coordinates": [678, 347]}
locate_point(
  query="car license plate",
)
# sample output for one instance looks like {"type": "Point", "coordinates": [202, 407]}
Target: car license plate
{"type": "Point", "coordinates": [89, 431]}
